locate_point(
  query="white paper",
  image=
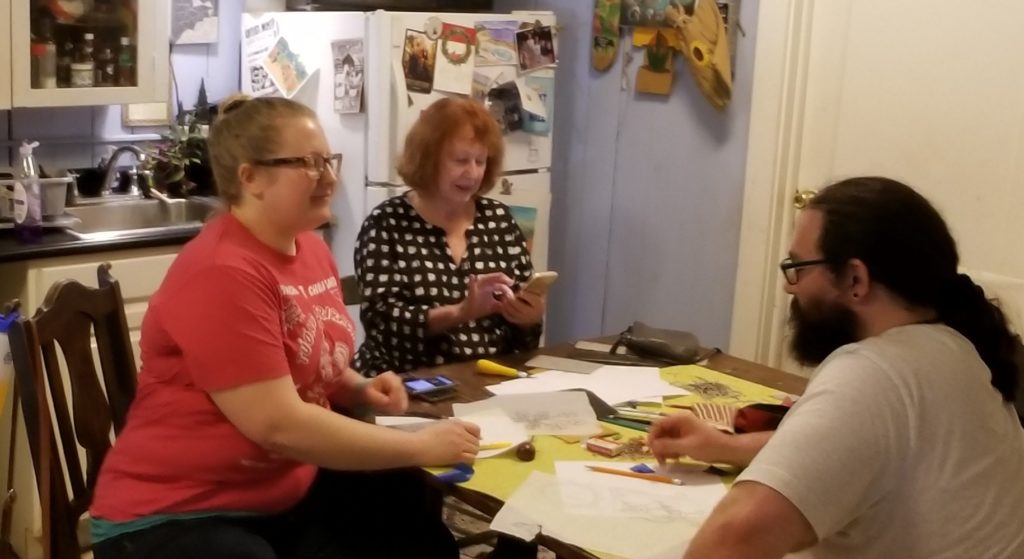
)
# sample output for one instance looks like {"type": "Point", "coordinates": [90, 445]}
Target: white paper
{"type": "Point", "coordinates": [552, 413]}
{"type": "Point", "coordinates": [258, 39]}
{"type": "Point", "coordinates": [613, 384]}
{"type": "Point", "coordinates": [651, 533]}
{"type": "Point", "coordinates": [496, 427]}
{"type": "Point", "coordinates": [637, 498]}
{"type": "Point", "coordinates": [403, 422]}
{"type": "Point", "coordinates": [530, 99]}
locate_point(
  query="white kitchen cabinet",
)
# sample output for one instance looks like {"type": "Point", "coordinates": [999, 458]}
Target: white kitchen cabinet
{"type": "Point", "coordinates": [5, 56]}
{"type": "Point", "coordinates": [147, 24]}
{"type": "Point", "coordinates": [140, 273]}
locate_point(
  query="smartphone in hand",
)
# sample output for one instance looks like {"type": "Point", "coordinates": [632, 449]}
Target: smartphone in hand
{"type": "Point", "coordinates": [539, 283]}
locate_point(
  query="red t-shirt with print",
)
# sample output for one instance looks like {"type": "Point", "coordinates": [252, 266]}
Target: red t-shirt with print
{"type": "Point", "coordinates": [231, 311]}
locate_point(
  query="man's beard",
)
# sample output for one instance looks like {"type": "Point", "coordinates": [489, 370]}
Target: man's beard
{"type": "Point", "coordinates": [819, 329]}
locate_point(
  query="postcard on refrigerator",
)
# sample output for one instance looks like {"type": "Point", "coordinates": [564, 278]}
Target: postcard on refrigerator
{"type": "Point", "coordinates": [418, 61]}
{"type": "Point", "coordinates": [286, 68]}
{"type": "Point", "coordinates": [348, 75]}
{"type": "Point", "coordinates": [258, 39]}
{"type": "Point", "coordinates": [496, 42]}
{"type": "Point", "coordinates": [454, 69]}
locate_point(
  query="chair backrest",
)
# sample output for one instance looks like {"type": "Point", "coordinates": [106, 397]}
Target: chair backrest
{"type": "Point", "coordinates": [68, 317]}
{"type": "Point", "coordinates": [350, 292]}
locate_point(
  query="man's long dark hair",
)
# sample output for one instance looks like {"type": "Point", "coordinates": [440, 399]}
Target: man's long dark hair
{"type": "Point", "coordinates": [906, 246]}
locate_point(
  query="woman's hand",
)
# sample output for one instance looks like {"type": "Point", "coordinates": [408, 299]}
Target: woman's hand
{"type": "Point", "coordinates": [448, 442]}
{"type": "Point", "coordinates": [484, 294]}
{"type": "Point", "coordinates": [525, 309]}
{"type": "Point", "coordinates": [685, 434]}
{"type": "Point", "coordinates": [385, 394]}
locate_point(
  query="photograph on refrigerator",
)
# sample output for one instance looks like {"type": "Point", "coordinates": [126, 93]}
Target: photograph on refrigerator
{"type": "Point", "coordinates": [544, 86]}
{"type": "Point", "coordinates": [348, 75]}
{"type": "Point", "coordinates": [257, 40]}
{"type": "Point", "coordinates": [506, 107]}
{"type": "Point", "coordinates": [285, 68]}
{"type": "Point", "coordinates": [496, 42]}
{"type": "Point", "coordinates": [453, 71]}
{"type": "Point", "coordinates": [527, 219]}
{"type": "Point", "coordinates": [536, 48]}
{"type": "Point", "coordinates": [482, 82]}
{"type": "Point", "coordinates": [194, 22]}
{"type": "Point", "coordinates": [418, 55]}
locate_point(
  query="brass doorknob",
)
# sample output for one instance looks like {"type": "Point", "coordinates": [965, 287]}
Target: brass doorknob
{"type": "Point", "coordinates": [802, 198]}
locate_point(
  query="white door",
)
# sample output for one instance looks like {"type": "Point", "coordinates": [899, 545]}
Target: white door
{"type": "Point", "coordinates": [925, 91]}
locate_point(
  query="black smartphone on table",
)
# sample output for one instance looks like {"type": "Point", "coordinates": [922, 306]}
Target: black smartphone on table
{"type": "Point", "coordinates": [431, 389]}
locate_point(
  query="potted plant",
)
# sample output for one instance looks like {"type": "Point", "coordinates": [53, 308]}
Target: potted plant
{"type": "Point", "coordinates": [178, 160]}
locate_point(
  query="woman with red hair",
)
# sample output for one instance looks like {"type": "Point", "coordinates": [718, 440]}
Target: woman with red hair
{"type": "Point", "coordinates": [437, 265]}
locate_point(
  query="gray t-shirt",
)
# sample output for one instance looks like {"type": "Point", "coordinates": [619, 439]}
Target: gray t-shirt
{"type": "Point", "coordinates": [902, 448]}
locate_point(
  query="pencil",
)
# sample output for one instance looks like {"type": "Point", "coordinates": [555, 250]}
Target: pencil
{"type": "Point", "coordinates": [649, 477]}
{"type": "Point", "coordinates": [495, 445]}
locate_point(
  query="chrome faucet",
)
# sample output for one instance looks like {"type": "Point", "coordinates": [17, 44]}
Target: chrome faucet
{"type": "Point", "coordinates": [133, 190]}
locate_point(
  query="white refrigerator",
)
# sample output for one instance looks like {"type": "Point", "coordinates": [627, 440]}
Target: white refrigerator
{"type": "Point", "coordinates": [372, 138]}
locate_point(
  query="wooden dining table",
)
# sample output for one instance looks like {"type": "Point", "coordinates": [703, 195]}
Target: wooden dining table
{"type": "Point", "coordinates": [471, 386]}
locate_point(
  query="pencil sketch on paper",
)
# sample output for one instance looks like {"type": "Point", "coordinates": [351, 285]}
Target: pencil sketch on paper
{"type": "Point", "coordinates": [554, 422]}
{"type": "Point", "coordinates": [712, 390]}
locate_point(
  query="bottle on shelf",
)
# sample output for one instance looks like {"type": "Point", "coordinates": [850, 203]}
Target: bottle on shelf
{"type": "Point", "coordinates": [106, 66]}
{"type": "Point", "coordinates": [126, 64]}
{"type": "Point", "coordinates": [65, 57]}
{"type": "Point", "coordinates": [44, 57]}
{"type": "Point", "coordinates": [83, 69]}
{"type": "Point", "coordinates": [28, 214]}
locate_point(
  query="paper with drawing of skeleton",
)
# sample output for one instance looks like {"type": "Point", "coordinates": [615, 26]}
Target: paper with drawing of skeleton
{"type": "Point", "coordinates": [496, 427]}
{"type": "Point", "coordinates": [286, 67]}
{"type": "Point", "coordinates": [258, 39]}
{"type": "Point", "coordinates": [550, 413]}
{"type": "Point", "coordinates": [654, 532]}
{"type": "Point", "coordinates": [453, 67]}
{"type": "Point", "coordinates": [631, 497]}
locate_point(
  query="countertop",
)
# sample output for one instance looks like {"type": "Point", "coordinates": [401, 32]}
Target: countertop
{"type": "Point", "coordinates": [58, 242]}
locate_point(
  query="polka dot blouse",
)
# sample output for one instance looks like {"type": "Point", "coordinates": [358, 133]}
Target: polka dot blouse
{"type": "Point", "coordinates": [405, 268]}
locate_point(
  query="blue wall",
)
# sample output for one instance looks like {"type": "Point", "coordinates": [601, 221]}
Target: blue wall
{"type": "Point", "coordinates": [647, 191]}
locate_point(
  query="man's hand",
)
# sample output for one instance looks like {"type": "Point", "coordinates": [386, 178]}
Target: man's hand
{"type": "Point", "coordinates": [685, 434]}
{"type": "Point", "coordinates": [385, 394]}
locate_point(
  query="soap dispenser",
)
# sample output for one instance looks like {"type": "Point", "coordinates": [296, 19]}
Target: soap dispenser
{"type": "Point", "coordinates": [28, 214]}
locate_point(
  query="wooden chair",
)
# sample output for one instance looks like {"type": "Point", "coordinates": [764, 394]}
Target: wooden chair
{"type": "Point", "coordinates": [69, 315]}
{"type": "Point", "coordinates": [350, 292]}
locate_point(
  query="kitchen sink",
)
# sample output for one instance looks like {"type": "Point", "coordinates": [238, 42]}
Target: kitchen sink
{"type": "Point", "coordinates": [129, 218]}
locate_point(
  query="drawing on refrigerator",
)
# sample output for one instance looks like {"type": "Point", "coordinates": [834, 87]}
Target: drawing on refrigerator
{"type": "Point", "coordinates": [399, 79]}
